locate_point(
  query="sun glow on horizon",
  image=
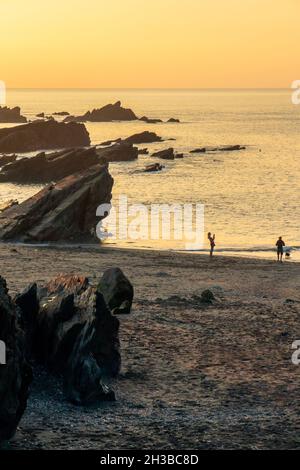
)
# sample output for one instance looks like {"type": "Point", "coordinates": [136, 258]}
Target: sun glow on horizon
{"type": "Point", "coordinates": [149, 44]}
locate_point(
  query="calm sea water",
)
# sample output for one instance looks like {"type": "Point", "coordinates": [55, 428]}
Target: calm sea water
{"type": "Point", "coordinates": [250, 197]}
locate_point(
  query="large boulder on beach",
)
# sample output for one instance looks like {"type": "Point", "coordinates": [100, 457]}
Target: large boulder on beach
{"type": "Point", "coordinates": [108, 113]}
{"type": "Point", "coordinates": [42, 136]}
{"type": "Point", "coordinates": [15, 373]}
{"type": "Point", "coordinates": [117, 291]}
{"type": "Point", "coordinates": [167, 154]}
{"type": "Point", "coordinates": [74, 334]}
{"type": "Point", "coordinates": [65, 211]}
{"type": "Point", "coordinates": [11, 115]}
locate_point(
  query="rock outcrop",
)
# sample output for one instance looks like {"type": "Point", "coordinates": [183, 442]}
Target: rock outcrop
{"type": "Point", "coordinates": [167, 154]}
{"type": "Point", "coordinates": [42, 136]}
{"type": "Point", "coordinates": [44, 167]}
{"type": "Point", "coordinates": [226, 148]}
{"type": "Point", "coordinates": [110, 112]}
{"type": "Point", "coordinates": [65, 211]}
{"type": "Point", "coordinates": [73, 333]}
{"type": "Point", "coordinates": [15, 374]}
{"type": "Point", "coordinates": [117, 291]}
{"type": "Point", "coordinates": [11, 115]}
{"type": "Point", "coordinates": [145, 137]}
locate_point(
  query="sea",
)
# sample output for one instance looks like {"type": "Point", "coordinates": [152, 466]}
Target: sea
{"type": "Point", "coordinates": [249, 197]}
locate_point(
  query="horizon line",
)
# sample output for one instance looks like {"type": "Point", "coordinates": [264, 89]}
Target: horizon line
{"type": "Point", "coordinates": [149, 88]}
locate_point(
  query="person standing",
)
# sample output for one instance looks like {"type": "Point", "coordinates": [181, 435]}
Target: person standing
{"type": "Point", "coordinates": [211, 239]}
{"type": "Point", "coordinates": [280, 244]}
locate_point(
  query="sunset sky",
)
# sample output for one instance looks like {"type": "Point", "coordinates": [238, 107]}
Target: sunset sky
{"type": "Point", "coordinates": [149, 43]}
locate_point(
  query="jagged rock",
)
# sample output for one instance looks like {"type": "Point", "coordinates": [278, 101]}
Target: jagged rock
{"type": "Point", "coordinates": [65, 211]}
{"type": "Point", "coordinates": [150, 120]}
{"type": "Point", "coordinates": [16, 374]}
{"type": "Point", "coordinates": [143, 151]}
{"type": "Point", "coordinates": [11, 115]}
{"type": "Point", "coordinates": [43, 135]}
{"type": "Point", "coordinates": [173, 120]}
{"type": "Point", "coordinates": [57, 165]}
{"type": "Point", "coordinates": [74, 334]}
{"type": "Point", "coordinates": [117, 291]}
{"type": "Point", "coordinates": [143, 138]}
{"type": "Point", "coordinates": [226, 148]}
{"type": "Point", "coordinates": [167, 154]}
{"type": "Point", "coordinates": [110, 112]}
{"type": "Point", "coordinates": [5, 159]}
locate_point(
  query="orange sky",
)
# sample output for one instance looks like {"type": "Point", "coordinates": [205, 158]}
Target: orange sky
{"type": "Point", "coordinates": [149, 43]}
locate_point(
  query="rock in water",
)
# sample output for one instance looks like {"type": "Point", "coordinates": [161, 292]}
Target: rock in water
{"type": "Point", "coordinates": [117, 290]}
{"type": "Point", "coordinates": [143, 138]}
{"type": "Point", "coordinates": [110, 112]}
{"type": "Point", "coordinates": [15, 375]}
{"type": "Point", "coordinates": [11, 115]}
{"type": "Point", "coordinates": [65, 211]}
{"type": "Point", "coordinates": [167, 154]}
{"type": "Point", "coordinates": [74, 334]}
{"type": "Point", "coordinates": [42, 136]}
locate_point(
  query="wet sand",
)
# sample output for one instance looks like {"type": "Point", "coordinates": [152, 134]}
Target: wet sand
{"type": "Point", "coordinates": [194, 376]}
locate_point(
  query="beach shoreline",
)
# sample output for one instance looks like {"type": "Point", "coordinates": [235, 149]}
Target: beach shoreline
{"type": "Point", "coordinates": [193, 376]}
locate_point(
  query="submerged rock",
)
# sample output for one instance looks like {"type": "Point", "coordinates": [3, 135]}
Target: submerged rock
{"type": "Point", "coordinates": [110, 112]}
{"type": "Point", "coordinates": [43, 135]}
{"type": "Point", "coordinates": [15, 374]}
{"type": "Point", "coordinates": [226, 148]}
{"type": "Point", "coordinates": [117, 290]}
{"type": "Point", "coordinates": [74, 334]}
{"type": "Point", "coordinates": [65, 211]}
{"type": "Point", "coordinates": [153, 168]}
{"type": "Point", "coordinates": [11, 115]}
{"type": "Point", "coordinates": [167, 154]}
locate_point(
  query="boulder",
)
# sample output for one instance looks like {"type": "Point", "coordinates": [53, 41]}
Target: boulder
{"type": "Point", "coordinates": [73, 334]}
{"type": "Point", "coordinates": [173, 120]}
{"type": "Point", "coordinates": [11, 115]}
{"type": "Point", "coordinates": [43, 135]}
{"type": "Point", "coordinates": [110, 112]}
{"type": "Point", "coordinates": [15, 374]}
{"type": "Point", "coordinates": [117, 291]}
{"type": "Point", "coordinates": [145, 137]}
{"type": "Point", "coordinates": [65, 211]}
{"type": "Point", "coordinates": [167, 154]}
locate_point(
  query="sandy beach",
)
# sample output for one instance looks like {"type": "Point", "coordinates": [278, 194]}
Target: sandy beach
{"type": "Point", "coordinates": [194, 376]}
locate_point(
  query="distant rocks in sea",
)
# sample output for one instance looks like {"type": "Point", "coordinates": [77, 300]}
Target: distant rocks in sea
{"type": "Point", "coordinates": [166, 154]}
{"type": "Point", "coordinates": [108, 113]}
{"type": "Point", "coordinates": [61, 113]}
{"type": "Point", "coordinates": [11, 115]}
{"type": "Point", "coordinates": [43, 135]}
{"type": "Point", "coordinates": [225, 148]}
{"type": "Point", "coordinates": [145, 137]}
{"type": "Point", "coordinates": [150, 120]}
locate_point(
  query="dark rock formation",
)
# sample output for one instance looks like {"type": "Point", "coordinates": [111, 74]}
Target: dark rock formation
{"type": "Point", "coordinates": [226, 148]}
{"type": "Point", "coordinates": [11, 115]}
{"type": "Point", "coordinates": [150, 120]}
{"type": "Point", "coordinates": [44, 168]}
{"type": "Point", "coordinates": [43, 135]}
{"type": "Point", "coordinates": [5, 159]}
{"type": "Point", "coordinates": [179, 155]}
{"type": "Point", "coordinates": [110, 112]}
{"type": "Point", "coordinates": [61, 113]}
{"type": "Point", "coordinates": [153, 168]}
{"type": "Point", "coordinates": [117, 290]}
{"type": "Point", "coordinates": [207, 296]}
{"type": "Point", "coordinates": [167, 154]}
{"type": "Point", "coordinates": [143, 151]}
{"type": "Point", "coordinates": [143, 138]}
{"type": "Point", "coordinates": [173, 120]}
{"type": "Point", "coordinates": [122, 152]}
{"type": "Point", "coordinates": [65, 211]}
{"type": "Point", "coordinates": [40, 115]}
{"type": "Point", "coordinates": [73, 333]}
{"type": "Point", "coordinates": [15, 375]}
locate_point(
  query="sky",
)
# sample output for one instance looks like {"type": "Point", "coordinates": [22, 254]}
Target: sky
{"type": "Point", "coordinates": [149, 43]}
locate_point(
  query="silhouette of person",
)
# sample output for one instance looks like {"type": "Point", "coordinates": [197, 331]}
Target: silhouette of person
{"type": "Point", "coordinates": [211, 239]}
{"type": "Point", "coordinates": [280, 244]}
